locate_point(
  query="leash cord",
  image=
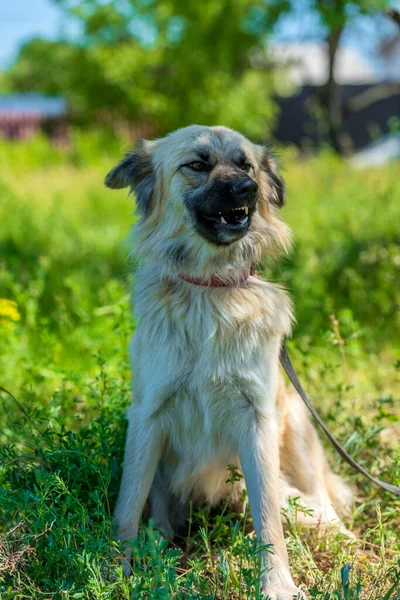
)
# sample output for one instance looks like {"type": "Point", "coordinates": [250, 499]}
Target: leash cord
{"type": "Point", "coordinates": [291, 373]}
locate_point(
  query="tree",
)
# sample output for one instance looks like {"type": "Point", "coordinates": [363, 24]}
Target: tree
{"type": "Point", "coordinates": [332, 20]}
{"type": "Point", "coordinates": [165, 63]}
{"type": "Point", "coordinates": [336, 15]}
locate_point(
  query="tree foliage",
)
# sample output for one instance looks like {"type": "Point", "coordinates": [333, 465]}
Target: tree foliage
{"type": "Point", "coordinates": [165, 63]}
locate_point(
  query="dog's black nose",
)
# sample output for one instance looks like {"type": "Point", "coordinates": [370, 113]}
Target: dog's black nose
{"type": "Point", "coordinates": [244, 189]}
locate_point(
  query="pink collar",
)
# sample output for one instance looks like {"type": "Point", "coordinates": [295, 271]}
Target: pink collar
{"type": "Point", "coordinates": [215, 281]}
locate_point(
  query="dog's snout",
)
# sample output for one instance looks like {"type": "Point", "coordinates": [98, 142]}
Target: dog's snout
{"type": "Point", "coordinates": [244, 189]}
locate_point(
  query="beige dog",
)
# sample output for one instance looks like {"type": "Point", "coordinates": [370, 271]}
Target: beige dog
{"type": "Point", "coordinates": [205, 354]}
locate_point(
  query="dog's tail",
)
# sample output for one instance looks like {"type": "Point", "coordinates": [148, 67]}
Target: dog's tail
{"type": "Point", "coordinates": [339, 492]}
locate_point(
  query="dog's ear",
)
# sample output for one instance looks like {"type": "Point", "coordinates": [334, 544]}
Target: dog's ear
{"type": "Point", "coordinates": [135, 170]}
{"type": "Point", "coordinates": [268, 163]}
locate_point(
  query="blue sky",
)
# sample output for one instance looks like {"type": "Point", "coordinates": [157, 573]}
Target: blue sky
{"type": "Point", "coordinates": [21, 20]}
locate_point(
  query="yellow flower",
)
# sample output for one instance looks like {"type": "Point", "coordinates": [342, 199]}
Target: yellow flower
{"type": "Point", "coordinates": [8, 312]}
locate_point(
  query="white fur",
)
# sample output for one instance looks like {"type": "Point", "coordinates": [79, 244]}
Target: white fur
{"type": "Point", "coordinates": [206, 383]}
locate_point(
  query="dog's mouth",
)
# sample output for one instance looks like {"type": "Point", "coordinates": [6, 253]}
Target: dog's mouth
{"type": "Point", "coordinates": [236, 219]}
{"type": "Point", "coordinates": [225, 226]}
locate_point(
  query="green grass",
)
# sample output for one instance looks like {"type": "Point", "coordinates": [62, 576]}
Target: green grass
{"type": "Point", "coordinates": [63, 357]}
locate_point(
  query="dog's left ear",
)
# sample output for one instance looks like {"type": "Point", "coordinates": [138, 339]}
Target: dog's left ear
{"type": "Point", "coordinates": [135, 170]}
{"type": "Point", "coordinates": [277, 193]}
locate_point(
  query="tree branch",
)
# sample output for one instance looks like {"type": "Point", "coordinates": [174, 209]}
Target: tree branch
{"type": "Point", "coordinates": [394, 15]}
{"type": "Point", "coordinates": [370, 96]}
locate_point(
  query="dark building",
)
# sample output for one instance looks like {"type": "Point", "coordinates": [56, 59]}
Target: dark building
{"type": "Point", "coordinates": [369, 111]}
{"type": "Point", "coordinates": [369, 93]}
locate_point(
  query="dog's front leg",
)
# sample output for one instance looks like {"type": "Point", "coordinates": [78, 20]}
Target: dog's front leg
{"type": "Point", "coordinates": [259, 457]}
{"type": "Point", "coordinates": [142, 453]}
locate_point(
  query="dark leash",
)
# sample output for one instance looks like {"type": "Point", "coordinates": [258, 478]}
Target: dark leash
{"type": "Point", "coordinates": [291, 373]}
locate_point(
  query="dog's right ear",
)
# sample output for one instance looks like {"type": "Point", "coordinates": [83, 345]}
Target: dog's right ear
{"type": "Point", "coordinates": [135, 170]}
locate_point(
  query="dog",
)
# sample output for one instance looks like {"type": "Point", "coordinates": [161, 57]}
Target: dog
{"type": "Point", "coordinates": [207, 386]}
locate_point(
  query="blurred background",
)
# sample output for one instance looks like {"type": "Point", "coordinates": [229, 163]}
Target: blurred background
{"type": "Point", "coordinates": [303, 72]}
{"type": "Point", "coordinates": [80, 82]}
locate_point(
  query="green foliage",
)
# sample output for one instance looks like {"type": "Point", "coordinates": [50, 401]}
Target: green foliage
{"type": "Point", "coordinates": [64, 330]}
{"type": "Point", "coordinates": [346, 246]}
{"type": "Point", "coordinates": [166, 64]}
{"type": "Point", "coordinates": [160, 65]}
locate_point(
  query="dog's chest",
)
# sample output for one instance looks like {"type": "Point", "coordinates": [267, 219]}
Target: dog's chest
{"type": "Point", "coordinates": [218, 346]}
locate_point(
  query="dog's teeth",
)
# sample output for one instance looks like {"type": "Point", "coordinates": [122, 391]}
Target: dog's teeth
{"type": "Point", "coordinates": [245, 221]}
{"type": "Point", "coordinates": [246, 210]}
{"type": "Point", "coordinates": [223, 221]}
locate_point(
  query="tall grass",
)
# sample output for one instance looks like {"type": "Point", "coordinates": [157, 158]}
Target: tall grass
{"type": "Point", "coordinates": [64, 328]}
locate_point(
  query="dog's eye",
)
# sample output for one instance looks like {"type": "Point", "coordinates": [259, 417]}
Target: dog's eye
{"type": "Point", "coordinates": [246, 167]}
{"type": "Point", "coordinates": [197, 166]}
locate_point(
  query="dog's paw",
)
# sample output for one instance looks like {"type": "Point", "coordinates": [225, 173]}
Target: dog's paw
{"type": "Point", "coordinates": [165, 529]}
{"type": "Point", "coordinates": [126, 568]}
{"type": "Point", "coordinates": [124, 559]}
{"type": "Point", "coordinates": [283, 593]}
{"type": "Point", "coordinates": [278, 585]}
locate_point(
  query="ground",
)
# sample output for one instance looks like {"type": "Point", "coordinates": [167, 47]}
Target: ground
{"type": "Point", "coordinates": [65, 322]}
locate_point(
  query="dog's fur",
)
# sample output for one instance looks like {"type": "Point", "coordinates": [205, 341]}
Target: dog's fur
{"type": "Point", "coordinates": [207, 386]}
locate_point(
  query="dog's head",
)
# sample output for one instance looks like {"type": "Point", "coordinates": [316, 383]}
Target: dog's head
{"type": "Point", "coordinates": [204, 187]}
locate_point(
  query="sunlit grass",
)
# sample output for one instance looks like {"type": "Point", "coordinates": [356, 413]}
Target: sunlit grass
{"type": "Point", "coordinates": [64, 328]}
